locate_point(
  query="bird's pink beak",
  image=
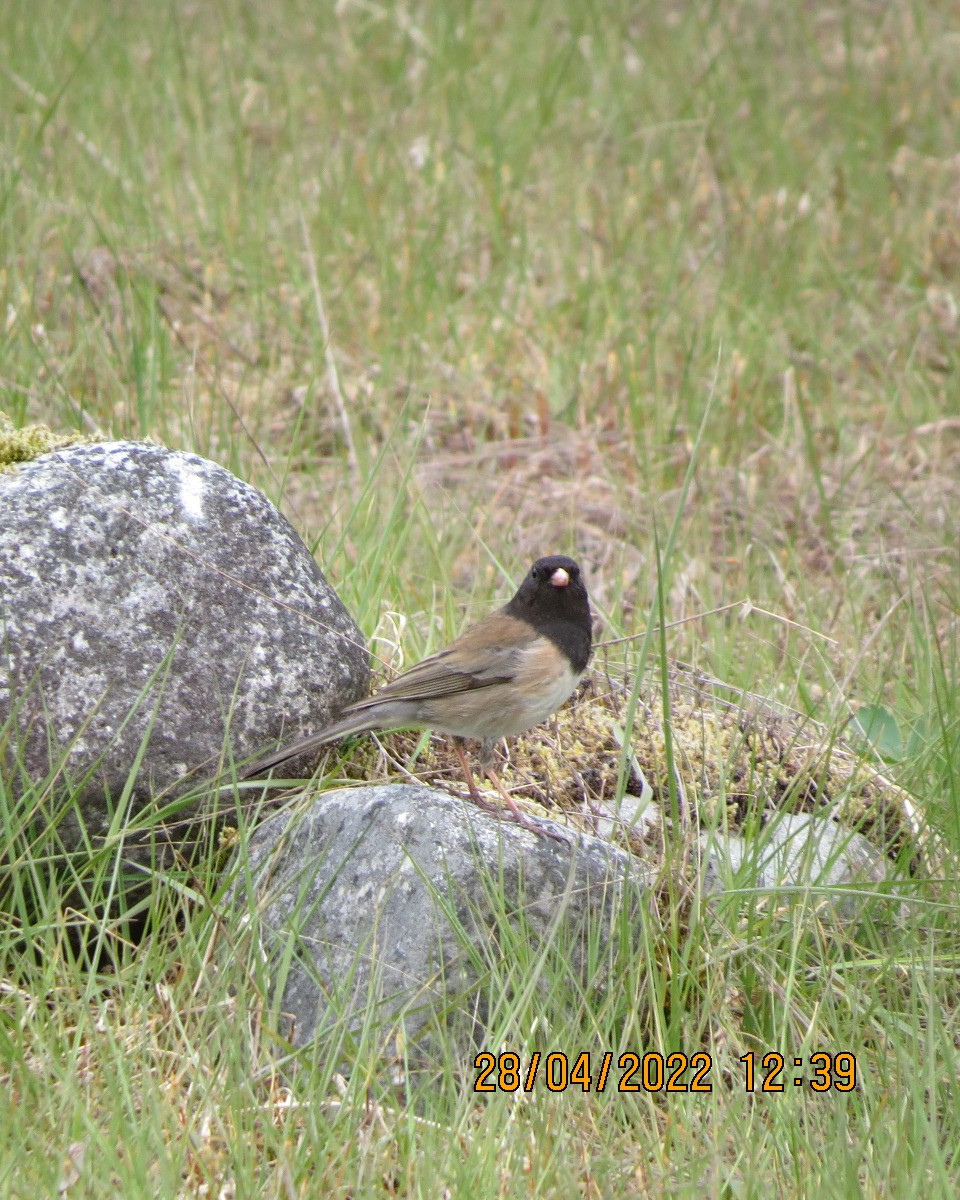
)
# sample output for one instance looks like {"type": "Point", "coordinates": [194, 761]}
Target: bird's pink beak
{"type": "Point", "coordinates": [560, 578]}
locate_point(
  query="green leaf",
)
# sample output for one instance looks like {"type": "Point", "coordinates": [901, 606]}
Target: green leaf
{"type": "Point", "coordinates": [879, 726]}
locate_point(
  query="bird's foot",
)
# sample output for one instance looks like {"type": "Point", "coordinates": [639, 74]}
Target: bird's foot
{"type": "Point", "coordinates": [521, 817]}
{"type": "Point", "coordinates": [482, 802]}
{"type": "Point", "coordinates": [474, 796]}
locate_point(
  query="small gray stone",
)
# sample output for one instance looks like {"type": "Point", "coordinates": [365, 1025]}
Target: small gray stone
{"type": "Point", "coordinates": [365, 897]}
{"type": "Point", "coordinates": [797, 850]}
{"type": "Point", "coordinates": [148, 595]}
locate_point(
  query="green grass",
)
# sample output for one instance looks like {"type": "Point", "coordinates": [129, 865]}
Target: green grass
{"type": "Point", "coordinates": [552, 243]}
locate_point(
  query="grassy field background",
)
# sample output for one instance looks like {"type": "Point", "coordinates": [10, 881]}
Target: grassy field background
{"type": "Point", "coordinates": [456, 285]}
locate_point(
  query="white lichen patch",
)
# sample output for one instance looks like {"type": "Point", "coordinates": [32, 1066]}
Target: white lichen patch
{"type": "Point", "coordinates": [191, 491]}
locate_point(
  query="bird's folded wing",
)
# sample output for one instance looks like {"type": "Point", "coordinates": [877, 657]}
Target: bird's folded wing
{"type": "Point", "coordinates": [433, 678]}
{"type": "Point", "coordinates": [470, 663]}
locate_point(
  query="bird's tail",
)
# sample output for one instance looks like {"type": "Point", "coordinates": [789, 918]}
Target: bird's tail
{"type": "Point", "coordinates": [357, 722]}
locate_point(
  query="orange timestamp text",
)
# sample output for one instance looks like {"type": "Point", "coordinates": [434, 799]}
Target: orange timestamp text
{"type": "Point", "coordinates": [656, 1072]}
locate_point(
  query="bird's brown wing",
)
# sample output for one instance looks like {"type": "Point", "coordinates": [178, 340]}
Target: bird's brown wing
{"type": "Point", "coordinates": [487, 653]}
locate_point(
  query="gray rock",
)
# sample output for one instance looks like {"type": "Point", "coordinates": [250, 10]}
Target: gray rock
{"type": "Point", "coordinates": [377, 902]}
{"type": "Point", "coordinates": [798, 850]}
{"type": "Point", "coordinates": [149, 596]}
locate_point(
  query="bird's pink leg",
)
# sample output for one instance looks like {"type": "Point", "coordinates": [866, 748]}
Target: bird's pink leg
{"type": "Point", "coordinates": [521, 818]}
{"type": "Point", "coordinates": [468, 776]}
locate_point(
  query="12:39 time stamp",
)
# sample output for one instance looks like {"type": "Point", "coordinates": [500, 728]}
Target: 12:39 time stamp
{"type": "Point", "coordinates": [656, 1072]}
{"type": "Point", "coordinates": [827, 1072]}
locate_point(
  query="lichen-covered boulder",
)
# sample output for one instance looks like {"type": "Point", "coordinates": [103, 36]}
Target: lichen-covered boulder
{"type": "Point", "coordinates": [382, 903]}
{"type": "Point", "coordinates": [151, 602]}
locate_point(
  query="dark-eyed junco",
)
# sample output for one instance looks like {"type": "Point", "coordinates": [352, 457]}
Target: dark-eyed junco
{"type": "Point", "coordinates": [505, 674]}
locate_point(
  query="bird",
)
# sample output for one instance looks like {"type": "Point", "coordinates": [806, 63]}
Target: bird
{"type": "Point", "coordinates": [503, 675]}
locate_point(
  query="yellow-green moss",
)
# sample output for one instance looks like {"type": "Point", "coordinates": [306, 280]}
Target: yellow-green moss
{"type": "Point", "coordinates": [23, 445]}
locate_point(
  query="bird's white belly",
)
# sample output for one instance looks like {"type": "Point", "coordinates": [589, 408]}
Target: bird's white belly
{"type": "Point", "coordinates": [549, 700]}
